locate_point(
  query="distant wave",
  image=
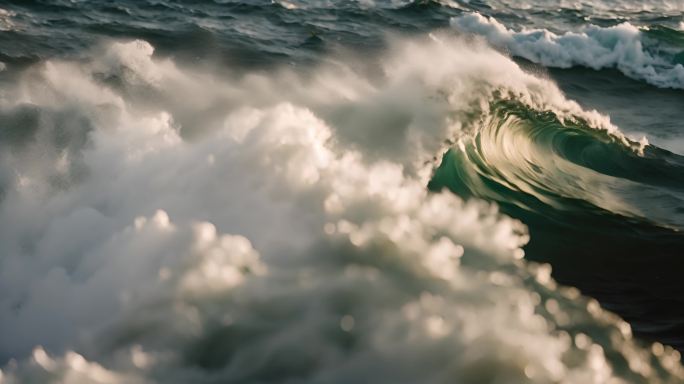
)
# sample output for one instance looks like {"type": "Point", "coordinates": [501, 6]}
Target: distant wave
{"type": "Point", "coordinates": [624, 47]}
{"type": "Point", "coordinates": [600, 6]}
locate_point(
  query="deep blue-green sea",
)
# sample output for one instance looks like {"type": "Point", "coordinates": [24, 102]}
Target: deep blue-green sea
{"type": "Point", "coordinates": [371, 191]}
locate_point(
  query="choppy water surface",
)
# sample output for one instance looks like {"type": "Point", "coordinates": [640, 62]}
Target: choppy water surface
{"type": "Point", "coordinates": [341, 191]}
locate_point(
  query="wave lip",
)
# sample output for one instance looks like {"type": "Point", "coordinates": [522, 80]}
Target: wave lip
{"type": "Point", "coordinates": [624, 47]}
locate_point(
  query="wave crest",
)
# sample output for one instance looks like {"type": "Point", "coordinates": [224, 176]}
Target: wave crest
{"type": "Point", "coordinates": [623, 47]}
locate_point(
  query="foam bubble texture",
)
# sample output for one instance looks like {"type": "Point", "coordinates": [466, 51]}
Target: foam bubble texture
{"type": "Point", "coordinates": [167, 225]}
{"type": "Point", "coordinates": [623, 47]}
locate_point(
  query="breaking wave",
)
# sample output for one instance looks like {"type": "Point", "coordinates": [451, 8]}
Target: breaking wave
{"type": "Point", "coordinates": [590, 201]}
{"type": "Point", "coordinates": [169, 225]}
{"type": "Point", "coordinates": [652, 55]}
{"type": "Point", "coordinates": [533, 159]}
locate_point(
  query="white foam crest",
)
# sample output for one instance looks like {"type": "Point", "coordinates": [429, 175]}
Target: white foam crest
{"type": "Point", "coordinates": [71, 368]}
{"type": "Point", "coordinates": [621, 47]}
{"type": "Point", "coordinates": [279, 226]}
{"type": "Point", "coordinates": [6, 22]}
{"type": "Point", "coordinates": [329, 4]}
{"type": "Point", "coordinates": [596, 7]}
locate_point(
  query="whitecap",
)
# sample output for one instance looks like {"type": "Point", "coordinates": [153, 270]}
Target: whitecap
{"type": "Point", "coordinates": [622, 47]}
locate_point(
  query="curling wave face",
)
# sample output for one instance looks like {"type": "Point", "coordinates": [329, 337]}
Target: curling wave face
{"type": "Point", "coordinates": [565, 165]}
{"type": "Point", "coordinates": [594, 203]}
{"type": "Point", "coordinates": [284, 231]}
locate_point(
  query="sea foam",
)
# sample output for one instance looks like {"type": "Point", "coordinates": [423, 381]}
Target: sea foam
{"type": "Point", "coordinates": [6, 23]}
{"type": "Point", "coordinates": [623, 47]}
{"type": "Point", "coordinates": [167, 225]}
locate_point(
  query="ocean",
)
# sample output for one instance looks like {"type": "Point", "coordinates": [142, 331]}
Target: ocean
{"type": "Point", "coordinates": [386, 191]}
